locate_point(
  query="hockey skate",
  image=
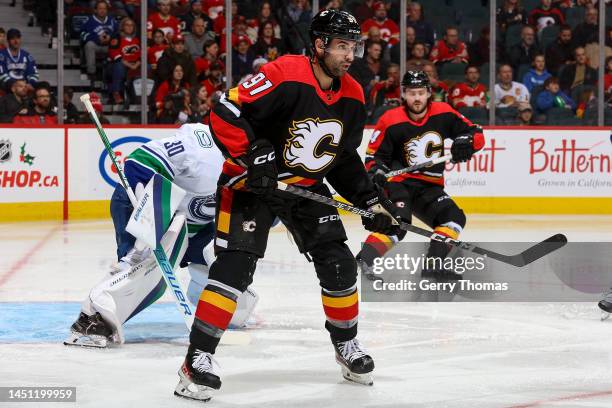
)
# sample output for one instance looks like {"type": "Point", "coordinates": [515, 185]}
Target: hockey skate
{"type": "Point", "coordinates": [197, 376]}
{"type": "Point", "coordinates": [89, 331]}
{"type": "Point", "coordinates": [356, 364]}
{"type": "Point", "coordinates": [605, 304]}
{"type": "Point", "coordinates": [367, 271]}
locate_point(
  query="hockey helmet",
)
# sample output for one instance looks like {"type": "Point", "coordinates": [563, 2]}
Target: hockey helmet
{"type": "Point", "coordinates": [332, 23]}
{"type": "Point", "coordinates": [416, 79]}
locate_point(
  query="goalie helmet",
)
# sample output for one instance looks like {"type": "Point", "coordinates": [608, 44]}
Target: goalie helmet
{"type": "Point", "coordinates": [416, 79]}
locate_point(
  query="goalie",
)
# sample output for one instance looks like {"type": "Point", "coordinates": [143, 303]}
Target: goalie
{"type": "Point", "coordinates": [192, 162]}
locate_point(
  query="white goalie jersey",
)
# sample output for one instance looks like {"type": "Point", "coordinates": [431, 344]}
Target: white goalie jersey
{"type": "Point", "coordinates": [191, 160]}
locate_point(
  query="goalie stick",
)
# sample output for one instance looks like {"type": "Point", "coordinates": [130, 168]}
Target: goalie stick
{"type": "Point", "coordinates": [526, 257]}
{"type": "Point", "coordinates": [187, 310]}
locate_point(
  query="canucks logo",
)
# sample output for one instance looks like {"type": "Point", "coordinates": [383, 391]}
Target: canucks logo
{"type": "Point", "coordinates": [202, 208]}
{"type": "Point", "coordinates": [5, 150]}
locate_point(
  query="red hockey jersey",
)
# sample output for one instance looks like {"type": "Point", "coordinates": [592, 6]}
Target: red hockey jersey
{"type": "Point", "coordinates": [389, 31]}
{"type": "Point", "coordinates": [126, 48]}
{"type": "Point", "coordinates": [171, 25]}
{"type": "Point", "coordinates": [463, 95]}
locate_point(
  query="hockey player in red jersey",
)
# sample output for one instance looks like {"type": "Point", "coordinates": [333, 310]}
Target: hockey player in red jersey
{"type": "Point", "coordinates": [411, 134]}
{"type": "Point", "coordinates": [298, 121]}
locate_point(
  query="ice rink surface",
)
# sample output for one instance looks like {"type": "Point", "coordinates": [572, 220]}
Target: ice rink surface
{"type": "Point", "coordinates": [426, 354]}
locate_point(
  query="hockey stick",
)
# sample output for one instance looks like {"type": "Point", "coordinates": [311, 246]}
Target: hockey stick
{"type": "Point", "coordinates": [419, 166]}
{"type": "Point", "coordinates": [526, 257]}
{"type": "Point", "coordinates": [182, 303]}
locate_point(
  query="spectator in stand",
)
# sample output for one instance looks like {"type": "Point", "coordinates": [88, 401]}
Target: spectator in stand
{"type": "Point", "coordinates": [17, 63]}
{"type": "Point", "coordinates": [14, 103]}
{"type": "Point", "coordinates": [416, 19]}
{"type": "Point", "coordinates": [163, 20]}
{"type": "Point", "coordinates": [560, 52]}
{"type": "Point", "coordinates": [2, 38]}
{"type": "Point", "coordinates": [96, 103]}
{"type": "Point", "coordinates": [124, 52]}
{"type": "Point", "coordinates": [213, 8]}
{"type": "Point", "coordinates": [537, 74]}
{"type": "Point", "coordinates": [219, 22]}
{"type": "Point", "coordinates": [200, 104]}
{"type": "Point", "coordinates": [439, 90]}
{"type": "Point", "coordinates": [387, 92]}
{"type": "Point", "coordinates": [268, 46]}
{"type": "Point", "coordinates": [523, 52]}
{"type": "Point", "coordinates": [96, 34]}
{"type": "Point", "coordinates": [388, 29]}
{"type": "Point", "coordinates": [196, 12]}
{"type": "Point", "coordinates": [374, 35]}
{"type": "Point", "coordinates": [471, 93]}
{"type": "Point", "coordinates": [545, 15]}
{"type": "Point", "coordinates": [257, 64]}
{"type": "Point", "coordinates": [214, 81]}
{"type": "Point", "coordinates": [509, 93]}
{"type": "Point", "coordinates": [525, 114]}
{"type": "Point", "coordinates": [449, 50]}
{"type": "Point", "coordinates": [156, 50]}
{"type": "Point", "coordinates": [40, 112]}
{"type": "Point", "coordinates": [195, 40]}
{"type": "Point", "coordinates": [479, 50]}
{"type": "Point", "coordinates": [608, 80]}
{"type": "Point", "coordinates": [242, 58]}
{"type": "Point", "coordinates": [577, 74]}
{"type": "Point", "coordinates": [370, 69]}
{"type": "Point", "coordinates": [553, 97]}
{"type": "Point", "coordinates": [211, 56]}
{"type": "Point", "coordinates": [264, 16]}
{"type": "Point", "coordinates": [410, 42]}
{"type": "Point", "coordinates": [173, 56]}
{"type": "Point", "coordinates": [418, 57]}
{"type": "Point", "coordinates": [170, 96]}
{"type": "Point", "coordinates": [71, 113]}
{"type": "Point", "coordinates": [299, 11]}
{"type": "Point", "coordinates": [586, 32]}
{"type": "Point", "coordinates": [364, 10]}
{"type": "Point", "coordinates": [510, 13]}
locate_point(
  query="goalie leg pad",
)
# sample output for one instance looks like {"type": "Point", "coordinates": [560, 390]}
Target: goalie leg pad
{"type": "Point", "coordinates": [121, 296]}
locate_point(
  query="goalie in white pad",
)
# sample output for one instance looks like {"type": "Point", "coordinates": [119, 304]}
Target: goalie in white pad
{"type": "Point", "coordinates": [192, 162]}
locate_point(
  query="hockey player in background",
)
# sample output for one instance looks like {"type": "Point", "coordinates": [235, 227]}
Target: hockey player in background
{"type": "Point", "coordinates": [408, 135]}
{"type": "Point", "coordinates": [191, 160]}
{"type": "Point", "coordinates": [298, 121]}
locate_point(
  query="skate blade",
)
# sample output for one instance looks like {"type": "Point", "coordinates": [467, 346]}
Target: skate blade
{"type": "Point", "coordinates": [604, 315]}
{"type": "Point", "coordinates": [188, 389]}
{"type": "Point", "coordinates": [82, 340]}
{"type": "Point", "coordinates": [365, 379]}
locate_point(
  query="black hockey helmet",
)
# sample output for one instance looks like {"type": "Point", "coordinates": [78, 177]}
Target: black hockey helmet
{"type": "Point", "coordinates": [332, 23]}
{"type": "Point", "coordinates": [416, 79]}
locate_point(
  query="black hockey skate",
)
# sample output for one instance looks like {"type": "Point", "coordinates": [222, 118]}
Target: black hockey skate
{"type": "Point", "coordinates": [197, 376]}
{"type": "Point", "coordinates": [605, 304]}
{"type": "Point", "coordinates": [357, 365]}
{"type": "Point", "coordinates": [89, 331]}
{"type": "Point", "coordinates": [367, 270]}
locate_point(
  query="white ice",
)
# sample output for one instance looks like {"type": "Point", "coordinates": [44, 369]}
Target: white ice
{"type": "Point", "coordinates": [426, 354]}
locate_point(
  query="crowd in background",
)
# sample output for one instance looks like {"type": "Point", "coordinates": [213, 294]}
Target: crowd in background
{"type": "Point", "coordinates": [546, 55]}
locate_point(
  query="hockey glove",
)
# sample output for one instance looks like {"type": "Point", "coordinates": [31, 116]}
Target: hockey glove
{"type": "Point", "coordinates": [386, 216]}
{"type": "Point", "coordinates": [377, 174]}
{"type": "Point", "coordinates": [261, 170]}
{"type": "Point", "coordinates": [462, 148]}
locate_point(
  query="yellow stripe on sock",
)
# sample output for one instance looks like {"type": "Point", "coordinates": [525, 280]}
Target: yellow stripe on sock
{"type": "Point", "coordinates": [218, 300]}
{"type": "Point", "coordinates": [344, 301]}
{"type": "Point", "coordinates": [449, 232]}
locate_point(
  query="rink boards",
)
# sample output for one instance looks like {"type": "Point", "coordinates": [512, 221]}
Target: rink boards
{"type": "Point", "coordinates": [64, 172]}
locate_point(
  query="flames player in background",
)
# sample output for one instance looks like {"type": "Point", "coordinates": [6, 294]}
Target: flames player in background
{"type": "Point", "coordinates": [411, 134]}
{"type": "Point", "coordinates": [299, 120]}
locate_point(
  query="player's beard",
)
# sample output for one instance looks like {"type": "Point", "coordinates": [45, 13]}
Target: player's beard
{"type": "Point", "coordinates": [335, 68]}
{"type": "Point", "coordinates": [412, 109]}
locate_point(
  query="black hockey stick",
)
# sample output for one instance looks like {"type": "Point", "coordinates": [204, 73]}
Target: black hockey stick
{"type": "Point", "coordinates": [418, 166]}
{"type": "Point", "coordinates": [526, 257]}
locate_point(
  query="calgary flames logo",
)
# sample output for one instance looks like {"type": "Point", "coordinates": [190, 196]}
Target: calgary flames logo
{"type": "Point", "coordinates": [423, 148]}
{"type": "Point", "coordinates": [310, 138]}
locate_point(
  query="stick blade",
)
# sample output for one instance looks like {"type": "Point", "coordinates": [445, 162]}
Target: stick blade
{"type": "Point", "coordinates": [543, 248]}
